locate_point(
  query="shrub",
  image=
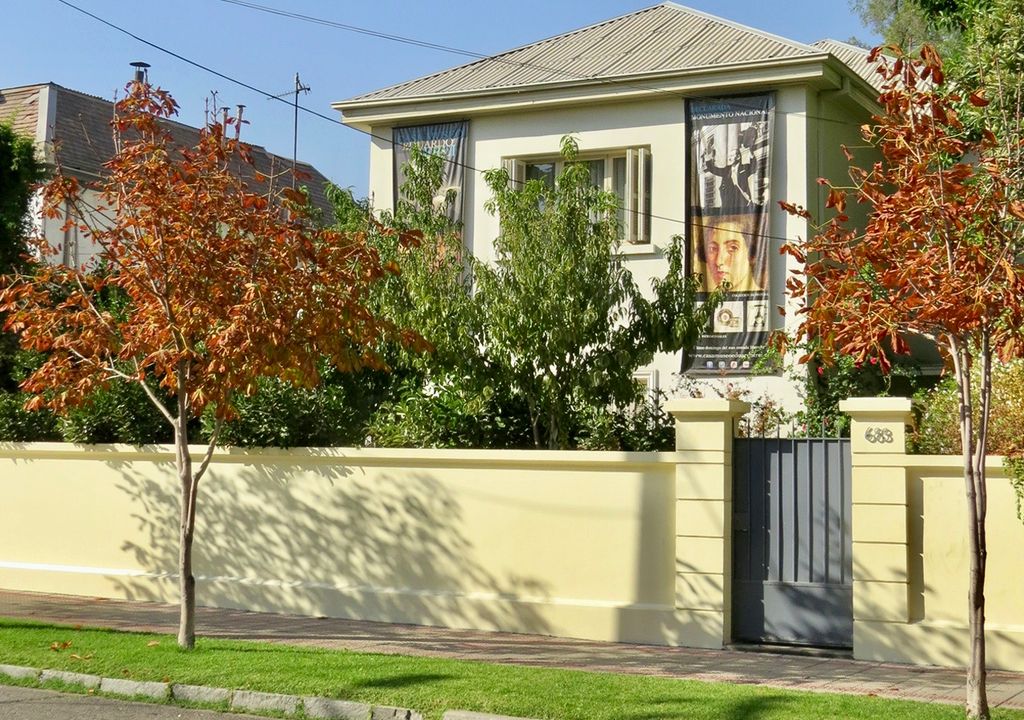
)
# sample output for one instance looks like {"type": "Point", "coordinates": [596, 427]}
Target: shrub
{"type": "Point", "coordinates": [119, 413]}
{"type": "Point", "coordinates": [19, 425]}
{"type": "Point", "coordinates": [937, 412]}
{"type": "Point", "coordinates": [282, 415]}
{"type": "Point", "coordinates": [450, 413]}
{"type": "Point", "coordinates": [640, 427]}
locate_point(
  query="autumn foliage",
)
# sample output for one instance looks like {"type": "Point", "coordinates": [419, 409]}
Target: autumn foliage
{"type": "Point", "coordinates": [206, 282]}
{"type": "Point", "coordinates": [941, 257]}
{"type": "Point", "coordinates": [221, 283]}
{"type": "Point", "coordinates": [938, 257]}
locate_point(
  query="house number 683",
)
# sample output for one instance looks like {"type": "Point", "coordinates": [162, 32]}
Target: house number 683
{"type": "Point", "coordinates": [878, 435]}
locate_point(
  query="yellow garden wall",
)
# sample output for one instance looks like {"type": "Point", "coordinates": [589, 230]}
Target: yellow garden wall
{"type": "Point", "coordinates": [574, 544]}
{"type": "Point", "coordinates": [910, 551]}
{"type": "Point", "coordinates": [630, 547]}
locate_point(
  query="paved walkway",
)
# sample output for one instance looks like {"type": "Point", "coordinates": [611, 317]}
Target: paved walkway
{"type": "Point", "coordinates": [820, 674]}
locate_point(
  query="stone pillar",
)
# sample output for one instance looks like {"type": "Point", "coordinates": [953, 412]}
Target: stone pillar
{"type": "Point", "coordinates": [881, 576]}
{"type": "Point", "coordinates": [703, 572]}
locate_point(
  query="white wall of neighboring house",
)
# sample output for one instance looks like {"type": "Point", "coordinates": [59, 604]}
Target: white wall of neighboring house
{"type": "Point", "coordinates": [74, 246]}
{"type": "Point", "coordinates": [810, 125]}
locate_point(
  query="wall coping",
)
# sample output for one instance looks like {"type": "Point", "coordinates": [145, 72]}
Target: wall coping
{"type": "Point", "coordinates": [953, 463]}
{"type": "Point", "coordinates": [875, 405]}
{"type": "Point", "coordinates": [598, 459]}
{"type": "Point", "coordinates": [706, 406]}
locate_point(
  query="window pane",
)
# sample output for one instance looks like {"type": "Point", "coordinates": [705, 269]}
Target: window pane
{"type": "Point", "coordinates": [645, 221]}
{"type": "Point", "coordinates": [545, 172]}
{"type": "Point", "coordinates": [596, 168]}
{"type": "Point", "coordinates": [619, 188]}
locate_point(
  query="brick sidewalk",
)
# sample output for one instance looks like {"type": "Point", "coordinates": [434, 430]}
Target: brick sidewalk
{"type": "Point", "coordinates": [818, 674]}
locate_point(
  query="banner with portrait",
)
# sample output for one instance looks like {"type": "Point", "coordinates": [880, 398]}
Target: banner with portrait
{"type": "Point", "coordinates": [445, 139]}
{"type": "Point", "coordinates": [729, 159]}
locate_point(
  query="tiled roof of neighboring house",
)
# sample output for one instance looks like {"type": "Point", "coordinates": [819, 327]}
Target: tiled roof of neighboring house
{"type": "Point", "coordinates": [855, 58]}
{"type": "Point", "coordinates": [82, 137]}
{"type": "Point", "coordinates": [20, 107]}
{"type": "Point", "coordinates": [661, 39]}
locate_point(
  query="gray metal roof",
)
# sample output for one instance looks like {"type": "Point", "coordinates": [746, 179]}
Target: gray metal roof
{"type": "Point", "coordinates": [659, 39]}
{"type": "Point", "coordinates": [855, 58]}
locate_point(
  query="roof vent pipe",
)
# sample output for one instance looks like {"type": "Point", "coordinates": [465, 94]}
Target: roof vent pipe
{"type": "Point", "coordinates": [141, 71]}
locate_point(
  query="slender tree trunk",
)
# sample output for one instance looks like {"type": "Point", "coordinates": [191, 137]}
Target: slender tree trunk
{"type": "Point", "coordinates": [977, 694]}
{"type": "Point", "coordinates": [187, 483]}
{"type": "Point", "coordinates": [186, 580]}
{"type": "Point", "coordinates": [554, 436]}
{"type": "Point", "coordinates": [973, 449]}
{"type": "Point", "coordinates": [535, 423]}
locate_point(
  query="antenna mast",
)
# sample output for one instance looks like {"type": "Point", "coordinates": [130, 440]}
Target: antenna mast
{"type": "Point", "coordinates": [299, 88]}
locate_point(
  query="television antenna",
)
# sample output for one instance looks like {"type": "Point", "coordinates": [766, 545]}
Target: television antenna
{"type": "Point", "coordinates": [299, 88]}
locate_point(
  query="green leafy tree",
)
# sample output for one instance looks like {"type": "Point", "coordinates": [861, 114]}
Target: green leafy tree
{"type": "Point", "coordinates": [20, 171]}
{"type": "Point", "coordinates": [539, 348]}
{"type": "Point", "coordinates": [993, 61]}
{"type": "Point", "coordinates": [563, 319]}
{"type": "Point", "coordinates": [909, 24]}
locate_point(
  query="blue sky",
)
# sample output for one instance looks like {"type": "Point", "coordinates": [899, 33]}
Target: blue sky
{"type": "Point", "coordinates": [47, 41]}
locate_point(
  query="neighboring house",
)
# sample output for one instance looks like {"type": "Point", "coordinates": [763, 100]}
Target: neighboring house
{"type": "Point", "coordinates": [72, 130]}
{"type": "Point", "coordinates": [642, 94]}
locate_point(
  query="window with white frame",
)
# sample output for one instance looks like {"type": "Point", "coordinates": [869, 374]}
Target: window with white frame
{"type": "Point", "coordinates": [626, 173]}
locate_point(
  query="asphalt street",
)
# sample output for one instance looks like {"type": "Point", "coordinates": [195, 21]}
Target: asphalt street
{"type": "Point", "coordinates": [19, 703]}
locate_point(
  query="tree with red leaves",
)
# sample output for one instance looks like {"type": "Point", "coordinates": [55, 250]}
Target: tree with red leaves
{"type": "Point", "coordinates": [941, 257]}
{"type": "Point", "coordinates": [205, 284]}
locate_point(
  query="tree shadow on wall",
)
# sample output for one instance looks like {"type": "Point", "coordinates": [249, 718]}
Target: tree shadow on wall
{"type": "Point", "coordinates": [329, 540]}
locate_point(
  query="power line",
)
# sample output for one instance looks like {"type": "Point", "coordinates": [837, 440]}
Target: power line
{"type": "Point", "coordinates": [335, 121]}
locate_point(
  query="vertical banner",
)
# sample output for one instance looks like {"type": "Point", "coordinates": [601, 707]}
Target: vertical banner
{"type": "Point", "coordinates": [445, 139]}
{"type": "Point", "coordinates": [729, 158]}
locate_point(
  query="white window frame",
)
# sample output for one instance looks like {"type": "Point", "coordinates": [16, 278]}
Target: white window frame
{"type": "Point", "coordinates": [636, 228]}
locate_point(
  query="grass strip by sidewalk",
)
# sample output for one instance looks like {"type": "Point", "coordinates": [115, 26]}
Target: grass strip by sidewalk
{"type": "Point", "coordinates": [430, 685]}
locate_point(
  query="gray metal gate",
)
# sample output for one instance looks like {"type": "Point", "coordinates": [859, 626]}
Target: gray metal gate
{"type": "Point", "coordinates": [792, 553]}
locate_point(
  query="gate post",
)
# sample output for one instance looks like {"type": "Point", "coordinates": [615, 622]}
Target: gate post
{"type": "Point", "coordinates": [703, 569]}
{"type": "Point", "coordinates": [881, 561]}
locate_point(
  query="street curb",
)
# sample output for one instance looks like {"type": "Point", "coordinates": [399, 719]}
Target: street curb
{"type": "Point", "coordinates": [253, 700]}
{"type": "Point", "coordinates": [135, 688]}
{"type": "Point", "coordinates": [200, 694]}
{"type": "Point", "coordinates": [318, 707]}
{"type": "Point", "coordinates": [90, 682]}
{"type": "Point", "coordinates": [19, 672]}
{"type": "Point", "coordinates": [382, 712]}
{"type": "Point", "coordinates": [312, 706]}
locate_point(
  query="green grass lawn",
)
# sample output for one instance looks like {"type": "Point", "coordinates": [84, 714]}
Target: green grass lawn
{"type": "Point", "coordinates": [430, 685]}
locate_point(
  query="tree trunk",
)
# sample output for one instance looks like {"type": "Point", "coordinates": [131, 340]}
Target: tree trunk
{"type": "Point", "coordinates": [973, 441]}
{"type": "Point", "coordinates": [187, 484]}
{"type": "Point", "coordinates": [977, 696]}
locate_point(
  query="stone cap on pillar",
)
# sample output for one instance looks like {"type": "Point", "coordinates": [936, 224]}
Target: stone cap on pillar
{"type": "Point", "coordinates": [878, 424]}
{"type": "Point", "coordinates": [705, 424]}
